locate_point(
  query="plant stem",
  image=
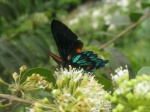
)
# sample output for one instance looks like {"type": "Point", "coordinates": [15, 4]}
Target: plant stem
{"type": "Point", "coordinates": [13, 98]}
{"type": "Point", "coordinates": [125, 31]}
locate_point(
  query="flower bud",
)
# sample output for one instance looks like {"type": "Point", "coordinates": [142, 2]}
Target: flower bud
{"type": "Point", "coordinates": [108, 96]}
{"type": "Point", "coordinates": [1, 81]}
{"type": "Point", "coordinates": [23, 69]}
{"type": "Point", "coordinates": [56, 92]}
{"type": "Point", "coordinates": [45, 100]}
{"type": "Point", "coordinates": [114, 99]}
{"type": "Point", "coordinates": [120, 108]}
{"type": "Point", "coordinates": [129, 96]}
{"type": "Point", "coordinates": [15, 76]}
{"type": "Point", "coordinates": [38, 105]}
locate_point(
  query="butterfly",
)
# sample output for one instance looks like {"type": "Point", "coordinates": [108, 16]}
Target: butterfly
{"type": "Point", "coordinates": [70, 50]}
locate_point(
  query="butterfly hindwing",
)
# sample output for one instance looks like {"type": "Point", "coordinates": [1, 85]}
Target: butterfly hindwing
{"type": "Point", "coordinates": [88, 61]}
{"type": "Point", "coordinates": [66, 40]}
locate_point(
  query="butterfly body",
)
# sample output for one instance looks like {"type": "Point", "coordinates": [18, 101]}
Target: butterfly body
{"type": "Point", "coordinates": [70, 48]}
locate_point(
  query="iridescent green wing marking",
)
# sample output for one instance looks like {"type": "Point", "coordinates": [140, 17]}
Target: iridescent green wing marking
{"type": "Point", "coordinates": [88, 61]}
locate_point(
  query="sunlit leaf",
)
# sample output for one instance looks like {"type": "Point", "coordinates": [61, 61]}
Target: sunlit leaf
{"type": "Point", "coordinates": [42, 71]}
{"type": "Point", "coordinates": [144, 70]}
{"type": "Point", "coordinates": [118, 59]}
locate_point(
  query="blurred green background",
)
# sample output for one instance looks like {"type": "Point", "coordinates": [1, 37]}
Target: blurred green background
{"type": "Point", "coordinates": [26, 23]}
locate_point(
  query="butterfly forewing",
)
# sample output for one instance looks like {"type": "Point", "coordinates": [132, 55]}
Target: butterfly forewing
{"type": "Point", "coordinates": [66, 40]}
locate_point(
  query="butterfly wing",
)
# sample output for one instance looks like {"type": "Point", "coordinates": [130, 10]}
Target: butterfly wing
{"type": "Point", "coordinates": [66, 41]}
{"type": "Point", "coordinates": [88, 61]}
{"type": "Point", "coordinates": [70, 47]}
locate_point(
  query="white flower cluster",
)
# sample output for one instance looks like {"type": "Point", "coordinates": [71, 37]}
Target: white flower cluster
{"type": "Point", "coordinates": [79, 91]}
{"type": "Point", "coordinates": [130, 95]}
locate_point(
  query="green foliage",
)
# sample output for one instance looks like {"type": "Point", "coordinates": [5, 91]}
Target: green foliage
{"type": "Point", "coordinates": [42, 71]}
{"type": "Point", "coordinates": [144, 70]}
{"type": "Point", "coordinates": [25, 25]}
{"type": "Point", "coordinates": [101, 80]}
{"type": "Point", "coordinates": [145, 4]}
{"type": "Point", "coordinates": [134, 17]}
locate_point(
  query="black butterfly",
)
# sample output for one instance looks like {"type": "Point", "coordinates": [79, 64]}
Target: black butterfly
{"type": "Point", "coordinates": [70, 48]}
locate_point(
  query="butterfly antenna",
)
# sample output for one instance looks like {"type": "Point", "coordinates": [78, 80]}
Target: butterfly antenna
{"type": "Point", "coordinates": [56, 58]}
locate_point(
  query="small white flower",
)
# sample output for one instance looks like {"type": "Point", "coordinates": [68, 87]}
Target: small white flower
{"type": "Point", "coordinates": [120, 91]}
{"type": "Point", "coordinates": [142, 88]}
{"type": "Point", "coordinates": [74, 21]}
{"type": "Point", "coordinates": [28, 109]}
{"type": "Point", "coordinates": [42, 87]}
{"type": "Point", "coordinates": [107, 18]}
{"type": "Point", "coordinates": [96, 13]}
{"type": "Point", "coordinates": [123, 3]}
{"type": "Point", "coordinates": [120, 74]}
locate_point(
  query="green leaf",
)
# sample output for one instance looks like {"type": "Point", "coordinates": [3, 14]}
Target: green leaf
{"type": "Point", "coordinates": [105, 27]}
{"type": "Point", "coordinates": [119, 59]}
{"type": "Point", "coordinates": [145, 5]}
{"type": "Point", "coordinates": [144, 70]}
{"type": "Point", "coordinates": [135, 16]}
{"type": "Point", "coordinates": [42, 71]}
{"type": "Point", "coordinates": [103, 81]}
{"type": "Point", "coordinates": [7, 11]}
